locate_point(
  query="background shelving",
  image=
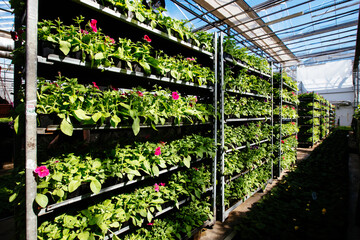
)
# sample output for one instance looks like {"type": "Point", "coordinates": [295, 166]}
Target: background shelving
{"type": "Point", "coordinates": [286, 123]}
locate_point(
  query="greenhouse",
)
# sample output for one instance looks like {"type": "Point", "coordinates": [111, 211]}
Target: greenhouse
{"type": "Point", "coordinates": [179, 119]}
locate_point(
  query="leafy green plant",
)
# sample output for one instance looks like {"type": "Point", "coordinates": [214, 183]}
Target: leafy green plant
{"type": "Point", "coordinates": [137, 207]}
{"type": "Point", "coordinates": [238, 107]}
{"type": "Point", "coordinates": [90, 106]}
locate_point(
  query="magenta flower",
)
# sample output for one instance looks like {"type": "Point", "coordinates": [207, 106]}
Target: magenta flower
{"type": "Point", "coordinates": [93, 25]}
{"type": "Point", "coordinates": [146, 38]}
{"type": "Point", "coordinates": [162, 143]}
{"type": "Point", "coordinates": [190, 59]}
{"type": "Point", "coordinates": [150, 224]}
{"type": "Point", "coordinates": [282, 141]}
{"type": "Point", "coordinates": [156, 187]}
{"type": "Point", "coordinates": [162, 184]}
{"type": "Point", "coordinates": [157, 151]}
{"type": "Point", "coordinates": [175, 95]}
{"type": "Point", "coordinates": [140, 93]}
{"type": "Point", "coordinates": [56, 161]}
{"type": "Point", "coordinates": [84, 31]}
{"type": "Point", "coordinates": [42, 171]}
{"type": "Point", "coordinates": [96, 86]}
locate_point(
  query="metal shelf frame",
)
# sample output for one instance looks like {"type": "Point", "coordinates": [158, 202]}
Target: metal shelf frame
{"type": "Point", "coordinates": [31, 132]}
{"type": "Point", "coordinates": [224, 213]}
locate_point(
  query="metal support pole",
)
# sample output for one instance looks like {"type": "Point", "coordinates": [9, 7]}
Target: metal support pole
{"type": "Point", "coordinates": [280, 117]}
{"type": "Point", "coordinates": [215, 123]}
{"type": "Point", "coordinates": [272, 119]}
{"type": "Point", "coordinates": [30, 117]}
{"type": "Point", "coordinates": [222, 123]}
{"type": "Point", "coordinates": [313, 122]}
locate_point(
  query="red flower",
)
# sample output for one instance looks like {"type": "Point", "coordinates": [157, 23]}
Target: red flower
{"type": "Point", "coordinates": [42, 171]}
{"type": "Point", "coordinates": [93, 23]}
{"type": "Point", "coordinates": [162, 184]}
{"type": "Point", "coordinates": [157, 151]}
{"type": "Point", "coordinates": [140, 94]}
{"type": "Point", "coordinates": [293, 123]}
{"type": "Point", "coordinates": [96, 86]}
{"type": "Point", "coordinates": [282, 141]}
{"type": "Point", "coordinates": [196, 168]}
{"type": "Point", "coordinates": [175, 95]}
{"type": "Point", "coordinates": [146, 38]}
{"type": "Point", "coordinates": [14, 35]}
{"type": "Point", "coordinates": [162, 143]}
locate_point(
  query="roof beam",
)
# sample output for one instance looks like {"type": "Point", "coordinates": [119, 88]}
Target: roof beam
{"type": "Point", "coordinates": [357, 51]}
{"type": "Point", "coordinates": [323, 30]}
{"type": "Point", "coordinates": [326, 52]}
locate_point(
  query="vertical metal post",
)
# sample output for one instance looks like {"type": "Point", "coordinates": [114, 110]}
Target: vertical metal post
{"type": "Point", "coordinates": [272, 119]}
{"type": "Point", "coordinates": [30, 117]}
{"type": "Point", "coordinates": [280, 118]}
{"type": "Point", "coordinates": [215, 100]}
{"type": "Point", "coordinates": [313, 121]}
{"type": "Point", "coordinates": [222, 123]}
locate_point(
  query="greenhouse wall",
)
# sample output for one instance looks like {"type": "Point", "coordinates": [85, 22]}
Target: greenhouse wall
{"type": "Point", "coordinates": [332, 80]}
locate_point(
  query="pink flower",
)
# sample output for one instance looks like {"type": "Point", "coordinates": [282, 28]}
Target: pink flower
{"type": "Point", "coordinates": [162, 184]}
{"type": "Point", "coordinates": [293, 123]}
{"type": "Point", "coordinates": [196, 168]}
{"type": "Point", "coordinates": [150, 224]}
{"type": "Point", "coordinates": [56, 161]}
{"type": "Point", "coordinates": [190, 59]}
{"type": "Point", "coordinates": [157, 151]}
{"type": "Point", "coordinates": [146, 38]}
{"type": "Point", "coordinates": [175, 95]}
{"type": "Point", "coordinates": [156, 187]}
{"type": "Point", "coordinates": [140, 93]}
{"type": "Point", "coordinates": [196, 99]}
{"type": "Point", "coordinates": [93, 25]}
{"type": "Point", "coordinates": [293, 93]}
{"type": "Point", "coordinates": [42, 171]}
{"type": "Point", "coordinates": [84, 31]}
{"type": "Point", "coordinates": [96, 86]}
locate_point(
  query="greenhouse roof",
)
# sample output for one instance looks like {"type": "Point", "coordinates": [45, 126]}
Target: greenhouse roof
{"type": "Point", "coordinates": [286, 31]}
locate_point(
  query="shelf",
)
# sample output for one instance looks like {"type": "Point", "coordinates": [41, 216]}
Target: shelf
{"type": "Point", "coordinates": [290, 87]}
{"type": "Point", "coordinates": [53, 128]}
{"type": "Point", "coordinates": [247, 94]}
{"type": "Point", "coordinates": [141, 26]}
{"type": "Point", "coordinates": [246, 66]}
{"type": "Point", "coordinates": [246, 119]}
{"type": "Point", "coordinates": [246, 172]}
{"type": "Point", "coordinates": [288, 119]}
{"type": "Point", "coordinates": [165, 210]}
{"type": "Point", "coordinates": [52, 207]}
{"type": "Point", "coordinates": [290, 103]}
{"type": "Point", "coordinates": [244, 146]}
{"type": "Point", "coordinates": [229, 210]}
{"type": "Point", "coordinates": [76, 62]}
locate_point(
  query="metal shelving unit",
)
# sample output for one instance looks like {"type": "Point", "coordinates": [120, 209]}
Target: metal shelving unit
{"type": "Point", "coordinates": [36, 64]}
{"type": "Point", "coordinates": [224, 120]}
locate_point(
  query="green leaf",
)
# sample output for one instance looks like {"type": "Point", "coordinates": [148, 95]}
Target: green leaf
{"type": "Point", "coordinates": [96, 116]}
{"type": "Point", "coordinates": [73, 185]}
{"type": "Point", "coordinates": [65, 47]}
{"type": "Point", "coordinates": [66, 127]}
{"type": "Point", "coordinates": [84, 235]}
{"type": "Point", "coordinates": [95, 186]}
{"type": "Point", "coordinates": [143, 212]}
{"type": "Point", "coordinates": [136, 126]}
{"type": "Point", "coordinates": [42, 200]}
{"type": "Point", "coordinates": [57, 176]}
{"type": "Point", "coordinates": [114, 121]}
{"type": "Point", "coordinates": [187, 161]}
{"type": "Point", "coordinates": [139, 17]}
{"type": "Point", "coordinates": [125, 105]}
{"type": "Point", "coordinates": [80, 115]}
{"type": "Point", "coordinates": [149, 216]}
{"type": "Point", "coordinates": [155, 170]}
{"type": "Point", "coordinates": [58, 192]}
{"type": "Point", "coordinates": [99, 56]}
{"type": "Point", "coordinates": [13, 197]}
{"type": "Point", "coordinates": [72, 99]}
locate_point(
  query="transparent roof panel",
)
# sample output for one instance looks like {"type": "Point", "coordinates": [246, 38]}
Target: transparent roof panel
{"type": "Point", "coordinates": [286, 31]}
